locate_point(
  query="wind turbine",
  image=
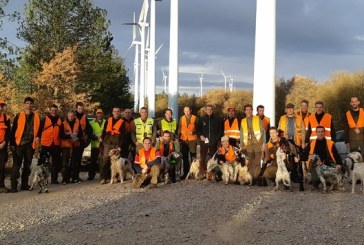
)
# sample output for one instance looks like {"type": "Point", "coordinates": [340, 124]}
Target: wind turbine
{"type": "Point", "coordinates": [164, 81]}
{"type": "Point", "coordinates": [231, 84]}
{"type": "Point", "coordinates": [173, 60]}
{"type": "Point", "coordinates": [225, 79]}
{"type": "Point", "coordinates": [143, 24]}
{"type": "Point", "coordinates": [201, 81]}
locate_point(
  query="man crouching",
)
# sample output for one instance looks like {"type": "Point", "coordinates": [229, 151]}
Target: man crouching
{"type": "Point", "coordinates": [147, 165]}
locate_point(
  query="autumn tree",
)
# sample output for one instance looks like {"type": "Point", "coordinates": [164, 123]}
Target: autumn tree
{"type": "Point", "coordinates": [303, 88]}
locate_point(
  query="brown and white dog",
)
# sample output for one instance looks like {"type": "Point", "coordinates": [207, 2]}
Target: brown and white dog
{"type": "Point", "coordinates": [241, 171]}
{"type": "Point", "coordinates": [194, 169]}
{"type": "Point", "coordinates": [119, 166]}
{"type": "Point", "coordinates": [282, 172]}
{"type": "Point", "coordinates": [40, 172]}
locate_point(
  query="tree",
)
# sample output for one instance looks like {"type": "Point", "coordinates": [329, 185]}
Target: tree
{"type": "Point", "coordinates": [303, 88]}
{"type": "Point", "coordinates": [49, 27]}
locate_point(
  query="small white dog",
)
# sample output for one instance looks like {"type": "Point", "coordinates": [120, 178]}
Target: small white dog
{"type": "Point", "coordinates": [226, 169]}
{"type": "Point", "coordinates": [282, 172]}
{"type": "Point", "coordinates": [194, 169]}
{"type": "Point", "coordinates": [355, 166]}
{"type": "Point", "coordinates": [119, 166]}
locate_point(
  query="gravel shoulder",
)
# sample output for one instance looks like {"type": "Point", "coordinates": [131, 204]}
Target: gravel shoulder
{"type": "Point", "coordinates": [182, 213]}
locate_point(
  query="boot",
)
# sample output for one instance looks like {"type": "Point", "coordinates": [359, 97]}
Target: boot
{"type": "Point", "coordinates": [138, 180]}
{"type": "Point", "coordinates": [154, 173]}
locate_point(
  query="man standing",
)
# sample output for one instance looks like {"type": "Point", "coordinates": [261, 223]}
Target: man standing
{"type": "Point", "coordinates": [168, 124]}
{"type": "Point", "coordinates": [128, 144]}
{"type": "Point", "coordinates": [320, 118]}
{"type": "Point", "coordinates": [4, 140]}
{"type": "Point", "coordinates": [304, 113]}
{"type": "Point", "coordinates": [252, 140]}
{"type": "Point", "coordinates": [24, 140]}
{"type": "Point", "coordinates": [142, 127]}
{"type": "Point", "coordinates": [111, 138]}
{"type": "Point", "coordinates": [265, 120]}
{"type": "Point", "coordinates": [292, 126]}
{"type": "Point", "coordinates": [209, 131]}
{"type": "Point", "coordinates": [147, 165]}
{"type": "Point", "coordinates": [86, 130]}
{"type": "Point", "coordinates": [327, 152]}
{"type": "Point", "coordinates": [51, 142]}
{"type": "Point", "coordinates": [232, 127]}
{"type": "Point", "coordinates": [354, 127]}
{"type": "Point", "coordinates": [97, 125]}
{"type": "Point", "coordinates": [188, 136]}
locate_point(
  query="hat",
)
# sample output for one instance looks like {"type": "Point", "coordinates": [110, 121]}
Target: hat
{"type": "Point", "coordinates": [2, 102]}
{"type": "Point", "coordinates": [290, 105]}
{"type": "Point", "coordinates": [231, 107]}
{"type": "Point", "coordinates": [224, 138]}
{"type": "Point", "coordinates": [99, 111]}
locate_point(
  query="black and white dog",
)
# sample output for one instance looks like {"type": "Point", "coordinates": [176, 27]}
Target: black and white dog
{"type": "Point", "coordinates": [40, 172]}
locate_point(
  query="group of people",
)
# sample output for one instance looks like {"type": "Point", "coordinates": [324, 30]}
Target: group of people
{"type": "Point", "coordinates": [155, 146]}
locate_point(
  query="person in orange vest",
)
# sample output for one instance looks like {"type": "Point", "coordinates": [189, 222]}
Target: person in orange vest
{"type": "Point", "coordinates": [147, 165]}
{"type": "Point", "coordinates": [70, 135]}
{"type": "Point", "coordinates": [232, 127]}
{"type": "Point", "coordinates": [86, 129]}
{"type": "Point", "coordinates": [4, 140]}
{"type": "Point", "coordinates": [327, 152]}
{"type": "Point", "coordinates": [292, 126]}
{"type": "Point", "coordinates": [252, 140]}
{"type": "Point", "coordinates": [354, 127]}
{"type": "Point", "coordinates": [24, 141]}
{"type": "Point", "coordinates": [128, 144]}
{"type": "Point", "coordinates": [304, 113]}
{"type": "Point", "coordinates": [166, 146]}
{"type": "Point", "coordinates": [188, 137]}
{"type": "Point", "coordinates": [320, 118]}
{"type": "Point", "coordinates": [265, 120]}
{"type": "Point", "coordinates": [50, 140]}
{"type": "Point", "coordinates": [112, 137]}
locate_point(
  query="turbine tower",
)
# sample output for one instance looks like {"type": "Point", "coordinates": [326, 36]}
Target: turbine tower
{"type": "Point", "coordinates": [201, 81]}
{"type": "Point", "coordinates": [173, 60]}
{"type": "Point", "coordinates": [264, 60]}
{"type": "Point", "coordinates": [231, 84]}
{"type": "Point", "coordinates": [164, 81]}
{"type": "Point", "coordinates": [225, 79]}
{"type": "Point", "coordinates": [143, 24]}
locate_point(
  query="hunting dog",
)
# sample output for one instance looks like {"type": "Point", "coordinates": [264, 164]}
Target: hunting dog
{"type": "Point", "coordinates": [40, 172]}
{"type": "Point", "coordinates": [326, 174]}
{"type": "Point", "coordinates": [242, 174]}
{"type": "Point", "coordinates": [282, 173]}
{"type": "Point", "coordinates": [194, 169]}
{"type": "Point", "coordinates": [355, 166]}
{"type": "Point", "coordinates": [227, 170]}
{"type": "Point", "coordinates": [119, 166]}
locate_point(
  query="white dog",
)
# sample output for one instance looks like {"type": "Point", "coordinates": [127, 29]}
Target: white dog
{"type": "Point", "coordinates": [40, 172]}
{"type": "Point", "coordinates": [227, 170]}
{"type": "Point", "coordinates": [119, 166]}
{"type": "Point", "coordinates": [241, 171]}
{"type": "Point", "coordinates": [282, 172]}
{"type": "Point", "coordinates": [194, 169]}
{"type": "Point", "coordinates": [355, 166]}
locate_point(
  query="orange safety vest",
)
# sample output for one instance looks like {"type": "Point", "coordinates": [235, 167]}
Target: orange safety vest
{"type": "Point", "coordinates": [329, 144]}
{"type": "Point", "coordinates": [266, 121]}
{"type": "Point", "coordinates": [68, 143]}
{"type": "Point", "coordinates": [50, 133]}
{"type": "Point", "coordinates": [271, 145]}
{"type": "Point", "coordinates": [3, 127]}
{"type": "Point", "coordinates": [233, 130]}
{"type": "Point", "coordinates": [114, 130]}
{"type": "Point", "coordinates": [127, 126]}
{"type": "Point", "coordinates": [230, 155]}
{"type": "Point", "coordinates": [21, 126]}
{"type": "Point", "coordinates": [142, 159]}
{"type": "Point", "coordinates": [305, 120]}
{"type": "Point", "coordinates": [352, 123]}
{"type": "Point", "coordinates": [325, 122]}
{"type": "Point", "coordinates": [283, 126]}
{"type": "Point", "coordinates": [161, 148]}
{"type": "Point", "coordinates": [187, 130]}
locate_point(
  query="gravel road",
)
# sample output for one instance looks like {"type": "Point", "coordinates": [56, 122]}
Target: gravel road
{"type": "Point", "coordinates": [183, 213]}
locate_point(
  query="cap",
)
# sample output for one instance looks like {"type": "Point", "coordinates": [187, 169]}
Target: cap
{"type": "Point", "coordinates": [224, 138]}
{"type": "Point", "coordinates": [2, 102]}
{"type": "Point", "coordinates": [99, 111]}
{"type": "Point", "coordinates": [231, 107]}
{"type": "Point", "coordinates": [290, 105]}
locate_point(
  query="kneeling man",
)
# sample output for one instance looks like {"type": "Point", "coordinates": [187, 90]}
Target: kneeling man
{"type": "Point", "coordinates": [147, 165]}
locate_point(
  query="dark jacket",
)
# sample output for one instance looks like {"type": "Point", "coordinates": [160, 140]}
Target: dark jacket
{"type": "Point", "coordinates": [210, 127]}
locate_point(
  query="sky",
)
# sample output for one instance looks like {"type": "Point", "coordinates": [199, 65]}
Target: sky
{"type": "Point", "coordinates": [314, 38]}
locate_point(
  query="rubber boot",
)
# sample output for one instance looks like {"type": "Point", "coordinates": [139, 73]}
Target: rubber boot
{"type": "Point", "coordinates": [154, 173]}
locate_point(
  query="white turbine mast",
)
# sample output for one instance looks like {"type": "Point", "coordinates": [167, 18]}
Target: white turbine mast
{"type": "Point", "coordinates": [143, 24]}
{"type": "Point", "coordinates": [164, 81]}
{"type": "Point", "coordinates": [201, 78]}
{"type": "Point", "coordinates": [226, 79]}
{"type": "Point", "coordinates": [231, 84]}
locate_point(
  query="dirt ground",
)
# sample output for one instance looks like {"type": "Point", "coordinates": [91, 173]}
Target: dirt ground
{"type": "Point", "coordinates": [197, 212]}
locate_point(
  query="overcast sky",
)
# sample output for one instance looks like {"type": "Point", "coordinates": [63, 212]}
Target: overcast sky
{"type": "Point", "coordinates": [315, 38]}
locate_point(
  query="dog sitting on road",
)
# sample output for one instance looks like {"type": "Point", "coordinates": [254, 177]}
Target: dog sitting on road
{"type": "Point", "coordinates": [242, 174]}
{"type": "Point", "coordinates": [282, 172]}
{"type": "Point", "coordinates": [194, 169]}
{"type": "Point", "coordinates": [326, 174]}
{"type": "Point", "coordinates": [40, 172]}
{"type": "Point", "coordinates": [119, 166]}
{"type": "Point", "coordinates": [355, 168]}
